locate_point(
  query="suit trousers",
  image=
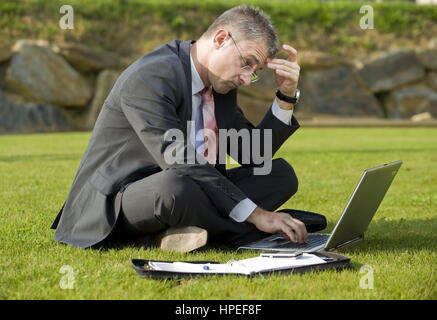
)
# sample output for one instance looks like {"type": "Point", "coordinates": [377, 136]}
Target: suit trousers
{"type": "Point", "coordinates": [167, 199]}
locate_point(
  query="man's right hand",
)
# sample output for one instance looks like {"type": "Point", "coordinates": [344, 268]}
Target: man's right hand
{"type": "Point", "coordinates": [279, 222]}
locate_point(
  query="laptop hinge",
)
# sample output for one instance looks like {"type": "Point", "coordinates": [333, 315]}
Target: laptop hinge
{"type": "Point", "coordinates": [348, 244]}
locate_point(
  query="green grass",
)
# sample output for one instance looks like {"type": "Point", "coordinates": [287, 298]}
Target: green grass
{"type": "Point", "coordinates": [36, 172]}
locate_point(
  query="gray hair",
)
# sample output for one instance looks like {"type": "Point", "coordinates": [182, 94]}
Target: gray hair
{"type": "Point", "coordinates": [247, 23]}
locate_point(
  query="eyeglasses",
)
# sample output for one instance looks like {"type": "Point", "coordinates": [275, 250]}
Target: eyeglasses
{"type": "Point", "coordinates": [246, 68]}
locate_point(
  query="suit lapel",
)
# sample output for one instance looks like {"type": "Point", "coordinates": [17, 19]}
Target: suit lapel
{"type": "Point", "coordinates": [184, 56]}
{"type": "Point", "coordinates": [225, 105]}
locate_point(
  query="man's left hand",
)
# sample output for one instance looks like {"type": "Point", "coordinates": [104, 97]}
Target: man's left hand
{"type": "Point", "coordinates": [286, 71]}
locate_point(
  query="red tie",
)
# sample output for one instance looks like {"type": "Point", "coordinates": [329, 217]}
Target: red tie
{"type": "Point", "coordinates": [209, 126]}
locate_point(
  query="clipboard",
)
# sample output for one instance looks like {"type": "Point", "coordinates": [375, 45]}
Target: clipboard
{"type": "Point", "coordinates": [331, 261]}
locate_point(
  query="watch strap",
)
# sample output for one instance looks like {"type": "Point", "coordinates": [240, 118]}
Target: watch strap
{"type": "Point", "coordinates": [285, 98]}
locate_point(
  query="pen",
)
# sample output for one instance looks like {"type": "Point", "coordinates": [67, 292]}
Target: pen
{"type": "Point", "coordinates": [281, 255]}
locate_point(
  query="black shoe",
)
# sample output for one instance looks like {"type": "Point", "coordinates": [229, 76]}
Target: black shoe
{"type": "Point", "coordinates": [313, 221]}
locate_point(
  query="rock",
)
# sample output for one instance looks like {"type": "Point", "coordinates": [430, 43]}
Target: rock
{"type": "Point", "coordinates": [431, 80]}
{"type": "Point", "coordinates": [432, 43]}
{"type": "Point", "coordinates": [18, 46]}
{"type": "Point", "coordinates": [105, 82]}
{"type": "Point", "coordinates": [30, 118]}
{"type": "Point", "coordinates": [318, 60]}
{"type": "Point", "coordinates": [409, 101]}
{"type": "Point", "coordinates": [428, 58]}
{"type": "Point", "coordinates": [16, 99]}
{"type": "Point", "coordinates": [86, 59]}
{"type": "Point", "coordinates": [39, 74]}
{"type": "Point", "coordinates": [424, 116]}
{"type": "Point", "coordinates": [336, 91]}
{"type": "Point", "coordinates": [391, 71]}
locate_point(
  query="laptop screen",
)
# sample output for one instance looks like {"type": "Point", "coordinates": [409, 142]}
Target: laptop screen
{"type": "Point", "coordinates": [362, 204]}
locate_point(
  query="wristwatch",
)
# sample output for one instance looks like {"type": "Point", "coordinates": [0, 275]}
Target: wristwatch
{"type": "Point", "coordinates": [294, 100]}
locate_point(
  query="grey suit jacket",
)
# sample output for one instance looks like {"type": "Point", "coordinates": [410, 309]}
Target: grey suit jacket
{"type": "Point", "coordinates": [150, 97]}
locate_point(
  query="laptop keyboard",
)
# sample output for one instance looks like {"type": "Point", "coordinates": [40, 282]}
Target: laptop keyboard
{"type": "Point", "coordinates": [314, 240]}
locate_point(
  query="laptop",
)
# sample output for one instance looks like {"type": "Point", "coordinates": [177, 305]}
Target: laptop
{"type": "Point", "coordinates": [353, 222]}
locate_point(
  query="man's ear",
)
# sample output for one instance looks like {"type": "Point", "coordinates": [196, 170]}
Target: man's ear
{"type": "Point", "coordinates": [220, 38]}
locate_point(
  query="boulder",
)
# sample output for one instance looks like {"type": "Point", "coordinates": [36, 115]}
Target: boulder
{"type": "Point", "coordinates": [424, 116]}
{"type": "Point", "coordinates": [87, 59]}
{"type": "Point", "coordinates": [431, 80]}
{"type": "Point", "coordinates": [432, 43]}
{"type": "Point", "coordinates": [336, 91]}
{"type": "Point", "coordinates": [30, 118]}
{"type": "Point", "coordinates": [42, 76]}
{"type": "Point", "coordinates": [319, 60]}
{"type": "Point", "coordinates": [104, 84]}
{"type": "Point", "coordinates": [428, 58]}
{"type": "Point", "coordinates": [391, 71]}
{"type": "Point", "coordinates": [409, 101]}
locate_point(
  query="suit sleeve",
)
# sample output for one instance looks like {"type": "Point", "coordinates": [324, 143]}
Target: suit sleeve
{"type": "Point", "coordinates": [149, 101]}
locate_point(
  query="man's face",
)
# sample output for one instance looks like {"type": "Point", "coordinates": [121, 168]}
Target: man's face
{"type": "Point", "coordinates": [225, 68]}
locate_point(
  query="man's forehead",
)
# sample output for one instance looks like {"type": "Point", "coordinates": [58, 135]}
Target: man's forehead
{"type": "Point", "coordinates": [256, 51]}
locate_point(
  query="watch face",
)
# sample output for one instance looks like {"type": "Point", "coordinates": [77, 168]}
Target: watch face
{"type": "Point", "coordinates": [297, 95]}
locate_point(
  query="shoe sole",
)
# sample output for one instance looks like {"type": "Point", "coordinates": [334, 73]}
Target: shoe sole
{"type": "Point", "coordinates": [183, 239]}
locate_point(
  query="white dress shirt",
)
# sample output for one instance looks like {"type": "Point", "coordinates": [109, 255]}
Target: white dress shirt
{"type": "Point", "coordinates": [245, 207]}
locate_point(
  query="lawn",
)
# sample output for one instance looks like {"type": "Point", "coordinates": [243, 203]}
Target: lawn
{"type": "Point", "coordinates": [400, 248]}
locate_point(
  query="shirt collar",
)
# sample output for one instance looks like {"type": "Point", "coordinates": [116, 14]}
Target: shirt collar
{"type": "Point", "coordinates": [196, 82]}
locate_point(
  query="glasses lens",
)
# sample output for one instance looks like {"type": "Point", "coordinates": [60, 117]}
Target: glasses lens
{"type": "Point", "coordinates": [247, 69]}
{"type": "Point", "coordinates": [254, 77]}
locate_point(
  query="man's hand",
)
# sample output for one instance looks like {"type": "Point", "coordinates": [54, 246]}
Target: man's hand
{"type": "Point", "coordinates": [279, 222]}
{"type": "Point", "coordinates": [286, 73]}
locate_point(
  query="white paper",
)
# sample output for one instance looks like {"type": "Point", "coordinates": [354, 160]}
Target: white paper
{"type": "Point", "coordinates": [245, 266]}
{"type": "Point", "coordinates": [186, 267]}
{"type": "Point", "coordinates": [259, 264]}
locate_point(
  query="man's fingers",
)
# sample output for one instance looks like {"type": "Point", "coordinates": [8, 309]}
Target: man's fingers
{"type": "Point", "coordinates": [293, 229]}
{"type": "Point", "coordinates": [293, 74]}
{"type": "Point", "coordinates": [285, 68]}
{"type": "Point", "coordinates": [289, 236]}
{"type": "Point", "coordinates": [292, 52]}
{"type": "Point", "coordinates": [275, 63]}
{"type": "Point", "coordinates": [289, 70]}
{"type": "Point", "coordinates": [298, 227]}
{"type": "Point", "coordinates": [284, 65]}
{"type": "Point", "coordinates": [302, 229]}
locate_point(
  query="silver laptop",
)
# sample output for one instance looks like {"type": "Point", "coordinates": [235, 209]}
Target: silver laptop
{"type": "Point", "coordinates": [353, 222]}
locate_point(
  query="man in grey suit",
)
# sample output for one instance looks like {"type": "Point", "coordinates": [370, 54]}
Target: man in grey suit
{"type": "Point", "coordinates": [126, 187]}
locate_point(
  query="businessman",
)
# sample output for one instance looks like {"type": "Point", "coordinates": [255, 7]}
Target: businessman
{"type": "Point", "coordinates": [127, 186]}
